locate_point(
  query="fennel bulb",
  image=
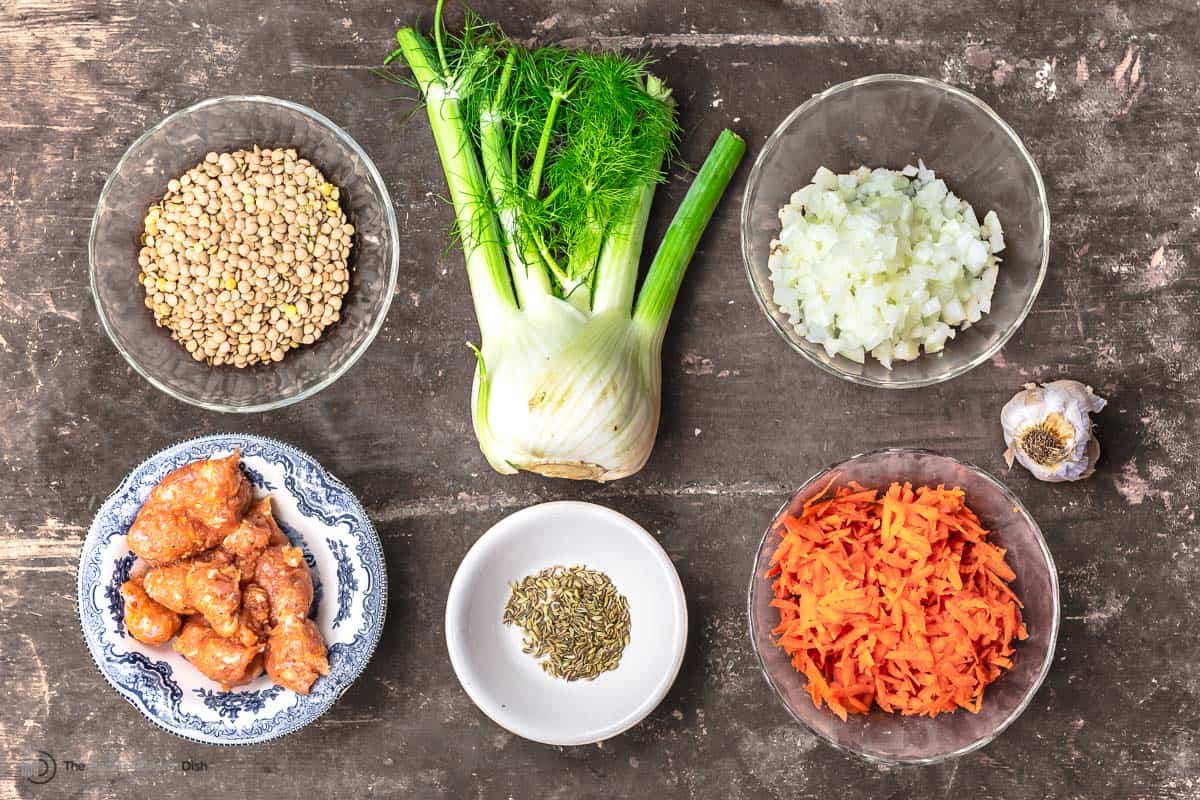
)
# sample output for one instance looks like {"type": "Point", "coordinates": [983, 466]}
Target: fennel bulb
{"type": "Point", "coordinates": [568, 394]}
{"type": "Point", "coordinates": [551, 157]}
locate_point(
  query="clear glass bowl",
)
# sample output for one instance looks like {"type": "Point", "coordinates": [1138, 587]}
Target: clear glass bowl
{"type": "Point", "coordinates": [891, 121]}
{"type": "Point", "coordinates": [893, 738]}
{"type": "Point", "coordinates": [140, 178]}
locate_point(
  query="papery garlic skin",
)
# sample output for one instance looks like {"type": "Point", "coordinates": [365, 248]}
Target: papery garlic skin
{"type": "Point", "coordinates": [1049, 431]}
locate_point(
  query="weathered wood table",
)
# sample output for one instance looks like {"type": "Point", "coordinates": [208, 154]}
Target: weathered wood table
{"type": "Point", "coordinates": [1105, 95]}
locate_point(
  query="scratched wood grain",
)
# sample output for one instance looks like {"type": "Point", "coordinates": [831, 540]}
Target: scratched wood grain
{"type": "Point", "coordinates": [1104, 94]}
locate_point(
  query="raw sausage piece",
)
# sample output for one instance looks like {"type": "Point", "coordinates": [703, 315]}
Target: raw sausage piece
{"type": "Point", "coordinates": [225, 661]}
{"type": "Point", "coordinates": [191, 510]}
{"type": "Point", "coordinates": [146, 620]}
{"type": "Point", "coordinates": [215, 591]}
{"type": "Point", "coordinates": [168, 585]}
{"type": "Point", "coordinates": [214, 492]}
{"type": "Point", "coordinates": [207, 584]}
{"type": "Point", "coordinates": [296, 654]}
{"type": "Point", "coordinates": [256, 612]}
{"type": "Point", "coordinates": [161, 534]}
{"type": "Point", "coordinates": [255, 534]}
{"type": "Point", "coordinates": [281, 571]}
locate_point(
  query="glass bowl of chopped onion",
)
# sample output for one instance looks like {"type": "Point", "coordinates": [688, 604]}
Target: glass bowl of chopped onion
{"type": "Point", "coordinates": [321, 318]}
{"type": "Point", "coordinates": [951, 630]}
{"type": "Point", "coordinates": [921, 245]}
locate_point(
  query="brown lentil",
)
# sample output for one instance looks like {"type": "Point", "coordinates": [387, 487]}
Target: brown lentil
{"type": "Point", "coordinates": [246, 256]}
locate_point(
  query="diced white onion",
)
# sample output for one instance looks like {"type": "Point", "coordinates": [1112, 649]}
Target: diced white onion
{"type": "Point", "coordinates": [883, 262]}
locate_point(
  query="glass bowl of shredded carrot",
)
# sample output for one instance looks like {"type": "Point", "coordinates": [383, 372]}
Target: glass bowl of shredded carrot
{"type": "Point", "coordinates": [904, 606]}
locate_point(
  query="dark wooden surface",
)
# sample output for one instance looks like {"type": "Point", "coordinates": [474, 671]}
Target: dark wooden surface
{"type": "Point", "coordinates": [1104, 94]}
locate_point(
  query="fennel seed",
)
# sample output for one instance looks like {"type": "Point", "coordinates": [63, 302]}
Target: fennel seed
{"type": "Point", "coordinates": [574, 621]}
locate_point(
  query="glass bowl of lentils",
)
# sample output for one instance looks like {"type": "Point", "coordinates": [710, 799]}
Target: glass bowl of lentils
{"type": "Point", "coordinates": [244, 253]}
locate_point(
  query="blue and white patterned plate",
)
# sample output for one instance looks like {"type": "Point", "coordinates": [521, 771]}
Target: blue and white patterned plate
{"type": "Point", "coordinates": [319, 514]}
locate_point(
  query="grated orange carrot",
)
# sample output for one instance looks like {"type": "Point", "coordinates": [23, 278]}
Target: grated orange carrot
{"type": "Point", "coordinates": [897, 601]}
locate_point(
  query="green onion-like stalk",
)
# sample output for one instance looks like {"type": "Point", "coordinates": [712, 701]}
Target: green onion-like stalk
{"type": "Point", "coordinates": [552, 158]}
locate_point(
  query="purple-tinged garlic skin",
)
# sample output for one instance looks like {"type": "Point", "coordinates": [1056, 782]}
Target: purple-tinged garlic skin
{"type": "Point", "coordinates": [1048, 429]}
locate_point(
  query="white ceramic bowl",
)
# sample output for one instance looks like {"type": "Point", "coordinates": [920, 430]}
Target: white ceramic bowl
{"type": "Point", "coordinates": [510, 686]}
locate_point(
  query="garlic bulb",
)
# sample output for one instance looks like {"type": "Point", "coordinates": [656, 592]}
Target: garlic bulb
{"type": "Point", "coordinates": [1049, 430]}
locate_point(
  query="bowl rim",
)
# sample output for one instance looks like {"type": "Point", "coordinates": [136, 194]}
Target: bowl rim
{"type": "Point", "coordinates": [1047, 662]}
{"type": "Point", "coordinates": [513, 523]}
{"type": "Point", "coordinates": [767, 305]}
{"type": "Point", "coordinates": [393, 234]}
